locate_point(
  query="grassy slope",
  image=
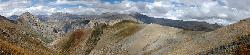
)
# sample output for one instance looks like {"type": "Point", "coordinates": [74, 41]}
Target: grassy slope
{"type": "Point", "coordinates": [80, 41]}
{"type": "Point", "coordinates": [75, 44]}
{"type": "Point", "coordinates": [115, 33]}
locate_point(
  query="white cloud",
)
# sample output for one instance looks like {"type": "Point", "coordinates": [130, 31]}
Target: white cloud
{"type": "Point", "coordinates": [81, 11]}
{"type": "Point", "coordinates": [239, 4]}
{"type": "Point", "coordinates": [37, 10]}
{"type": "Point", "coordinates": [208, 10]}
{"type": "Point", "coordinates": [14, 4]}
{"type": "Point", "coordinates": [7, 7]}
{"type": "Point", "coordinates": [212, 11]}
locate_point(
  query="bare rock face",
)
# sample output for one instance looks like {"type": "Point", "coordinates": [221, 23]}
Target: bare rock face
{"type": "Point", "coordinates": [27, 18]}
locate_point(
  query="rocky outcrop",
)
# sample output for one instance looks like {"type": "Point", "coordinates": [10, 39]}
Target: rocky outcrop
{"type": "Point", "coordinates": [34, 24]}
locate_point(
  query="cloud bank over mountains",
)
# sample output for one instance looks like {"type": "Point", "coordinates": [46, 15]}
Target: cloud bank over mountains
{"type": "Point", "coordinates": [212, 11]}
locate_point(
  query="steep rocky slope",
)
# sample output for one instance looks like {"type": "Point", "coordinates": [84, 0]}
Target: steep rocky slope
{"type": "Point", "coordinates": [18, 40]}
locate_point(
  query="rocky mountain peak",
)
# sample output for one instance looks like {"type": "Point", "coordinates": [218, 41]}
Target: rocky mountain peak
{"type": "Point", "coordinates": [27, 17]}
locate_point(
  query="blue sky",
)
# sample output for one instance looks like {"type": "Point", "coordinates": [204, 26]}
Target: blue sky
{"type": "Point", "coordinates": [212, 11]}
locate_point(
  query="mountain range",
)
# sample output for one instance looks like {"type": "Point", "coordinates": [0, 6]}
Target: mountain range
{"type": "Point", "coordinates": [118, 34]}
